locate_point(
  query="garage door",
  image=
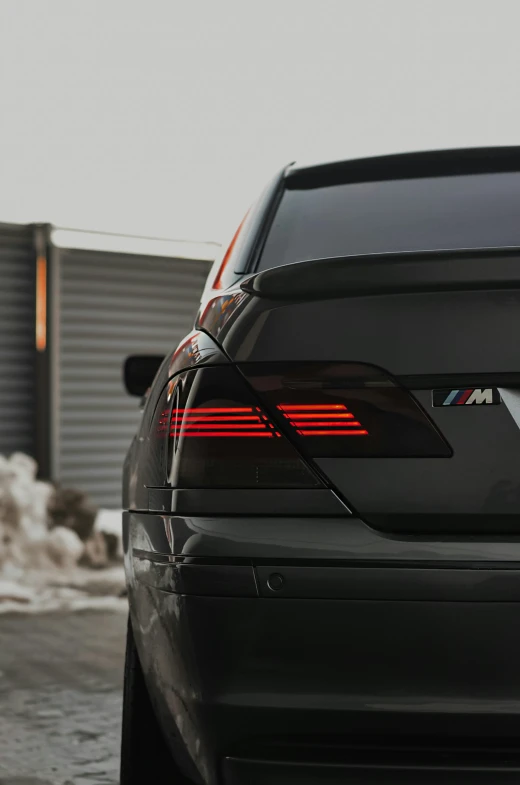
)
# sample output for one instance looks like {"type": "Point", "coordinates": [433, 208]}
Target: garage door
{"type": "Point", "coordinates": [112, 305]}
{"type": "Point", "coordinates": [17, 349]}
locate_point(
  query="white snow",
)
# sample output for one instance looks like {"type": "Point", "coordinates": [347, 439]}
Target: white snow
{"type": "Point", "coordinates": [13, 592]}
{"type": "Point", "coordinates": [50, 602]}
{"type": "Point", "coordinates": [39, 565]}
{"type": "Point", "coordinates": [110, 522]}
{"type": "Point", "coordinates": [76, 588]}
{"type": "Point", "coordinates": [64, 546]}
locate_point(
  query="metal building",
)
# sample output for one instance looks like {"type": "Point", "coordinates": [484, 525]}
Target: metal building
{"type": "Point", "coordinates": [74, 305]}
{"type": "Point", "coordinates": [17, 339]}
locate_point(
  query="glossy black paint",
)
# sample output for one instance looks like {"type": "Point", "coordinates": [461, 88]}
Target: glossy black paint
{"type": "Point", "coordinates": [377, 768]}
{"type": "Point", "coordinates": [431, 163]}
{"type": "Point", "coordinates": [246, 501]}
{"type": "Point", "coordinates": [383, 584]}
{"type": "Point", "coordinates": [327, 579]}
{"type": "Point", "coordinates": [381, 274]}
{"type": "Point", "coordinates": [298, 643]}
{"type": "Point", "coordinates": [231, 672]}
{"type": "Point", "coordinates": [323, 540]}
{"type": "Point", "coordinates": [477, 490]}
{"type": "Point", "coordinates": [214, 580]}
{"type": "Point", "coordinates": [141, 469]}
{"type": "Point", "coordinates": [426, 334]}
{"type": "Point", "coordinates": [302, 668]}
{"type": "Point", "coordinates": [406, 334]}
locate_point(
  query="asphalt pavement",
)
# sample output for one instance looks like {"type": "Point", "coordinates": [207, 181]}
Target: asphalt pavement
{"type": "Point", "coordinates": [60, 697]}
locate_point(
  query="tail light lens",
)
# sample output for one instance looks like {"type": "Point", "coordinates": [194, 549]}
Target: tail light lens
{"type": "Point", "coordinates": [225, 422]}
{"type": "Point", "coordinates": [344, 410]}
{"type": "Point", "coordinates": [215, 434]}
{"type": "Point", "coordinates": [213, 428]}
{"type": "Point", "coordinates": [326, 419]}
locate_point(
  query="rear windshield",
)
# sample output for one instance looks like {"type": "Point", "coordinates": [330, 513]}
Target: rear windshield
{"type": "Point", "coordinates": [468, 211]}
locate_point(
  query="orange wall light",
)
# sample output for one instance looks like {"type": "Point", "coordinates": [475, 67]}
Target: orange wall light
{"type": "Point", "coordinates": [41, 303]}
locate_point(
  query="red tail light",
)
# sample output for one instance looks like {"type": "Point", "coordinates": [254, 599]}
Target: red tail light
{"type": "Point", "coordinates": [211, 433]}
{"type": "Point", "coordinates": [327, 419]}
{"type": "Point", "coordinates": [213, 428]}
{"type": "Point", "coordinates": [365, 411]}
{"type": "Point", "coordinates": [222, 421]}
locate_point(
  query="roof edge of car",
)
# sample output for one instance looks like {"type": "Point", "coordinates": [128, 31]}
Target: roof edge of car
{"type": "Point", "coordinates": [400, 166]}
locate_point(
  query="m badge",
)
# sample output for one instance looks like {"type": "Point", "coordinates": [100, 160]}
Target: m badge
{"type": "Point", "coordinates": [466, 397]}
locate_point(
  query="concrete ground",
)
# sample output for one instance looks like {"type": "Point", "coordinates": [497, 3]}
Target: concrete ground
{"type": "Point", "coordinates": [60, 697]}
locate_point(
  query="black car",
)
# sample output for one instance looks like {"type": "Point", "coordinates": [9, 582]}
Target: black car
{"type": "Point", "coordinates": [322, 526]}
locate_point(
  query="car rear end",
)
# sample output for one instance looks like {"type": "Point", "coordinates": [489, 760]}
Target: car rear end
{"type": "Point", "coordinates": [322, 536]}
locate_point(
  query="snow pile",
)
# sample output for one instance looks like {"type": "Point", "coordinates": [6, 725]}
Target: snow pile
{"type": "Point", "coordinates": [68, 590]}
{"type": "Point", "coordinates": [108, 522]}
{"type": "Point", "coordinates": [50, 541]}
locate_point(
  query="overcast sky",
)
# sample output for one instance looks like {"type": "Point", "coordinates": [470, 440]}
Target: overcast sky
{"type": "Point", "coordinates": [164, 118]}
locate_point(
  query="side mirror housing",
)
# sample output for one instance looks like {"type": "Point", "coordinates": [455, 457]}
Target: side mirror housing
{"type": "Point", "coordinates": [139, 372]}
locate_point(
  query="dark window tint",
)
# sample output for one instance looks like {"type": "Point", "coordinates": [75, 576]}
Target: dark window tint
{"type": "Point", "coordinates": [469, 211]}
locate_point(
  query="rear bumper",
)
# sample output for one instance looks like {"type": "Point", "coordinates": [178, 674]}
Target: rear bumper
{"type": "Point", "coordinates": [303, 538]}
{"type": "Point", "coordinates": [378, 767]}
{"type": "Point", "coordinates": [342, 656]}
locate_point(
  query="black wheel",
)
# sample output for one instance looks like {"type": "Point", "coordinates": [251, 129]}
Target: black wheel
{"type": "Point", "coordinates": [145, 757]}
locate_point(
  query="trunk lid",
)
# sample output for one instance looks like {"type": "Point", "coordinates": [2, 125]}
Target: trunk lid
{"type": "Point", "coordinates": [436, 321]}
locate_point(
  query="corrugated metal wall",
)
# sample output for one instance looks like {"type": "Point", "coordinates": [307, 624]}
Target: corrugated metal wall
{"type": "Point", "coordinates": [111, 306]}
{"type": "Point", "coordinates": [17, 347]}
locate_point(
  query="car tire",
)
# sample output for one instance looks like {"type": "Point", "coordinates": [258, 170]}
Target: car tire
{"type": "Point", "coordinates": [144, 754]}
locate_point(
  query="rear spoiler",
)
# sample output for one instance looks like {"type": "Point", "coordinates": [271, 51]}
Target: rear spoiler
{"type": "Point", "coordinates": [389, 273]}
